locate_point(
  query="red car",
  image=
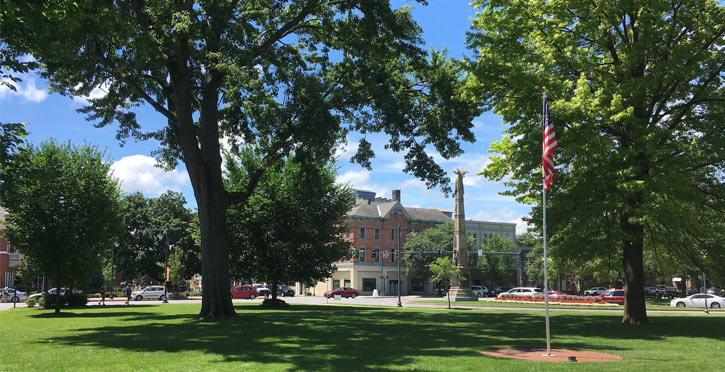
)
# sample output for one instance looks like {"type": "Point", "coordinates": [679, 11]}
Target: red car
{"type": "Point", "coordinates": [244, 291]}
{"type": "Point", "coordinates": [343, 292]}
{"type": "Point", "coordinates": [613, 296]}
{"type": "Point", "coordinates": [556, 294]}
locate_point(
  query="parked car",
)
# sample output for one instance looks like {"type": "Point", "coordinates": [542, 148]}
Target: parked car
{"type": "Point", "coordinates": [244, 291]}
{"type": "Point", "coordinates": [698, 300]}
{"type": "Point", "coordinates": [284, 290]}
{"type": "Point", "coordinates": [556, 294]}
{"type": "Point", "coordinates": [595, 291]}
{"type": "Point", "coordinates": [613, 296]}
{"type": "Point", "coordinates": [650, 292]}
{"type": "Point", "coordinates": [50, 292]}
{"type": "Point", "coordinates": [522, 291]}
{"type": "Point", "coordinates": [692, 291]}
{"type": "Point", "coordinates": [665, 291]}
{"type": "Point", "coordinates": [262, 289]}
{"type": "Point", "coordinates": [500, 290]}
{"type": "Point", "coordinates": [12, 295]}
{"type": "Point", "coordinates": [154, 292]}
{"type": "Point", "coordinates": [346, 292]}
{"type": "Point", "coordinates": [479, 290]}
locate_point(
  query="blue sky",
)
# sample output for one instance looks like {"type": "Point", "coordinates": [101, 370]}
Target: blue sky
{"type": "Point", "coordinates": [444, 23]}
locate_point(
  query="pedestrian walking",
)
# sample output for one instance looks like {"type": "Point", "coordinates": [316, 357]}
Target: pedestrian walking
{"type": "Point", "coordinates": [103, 296]}
{"type": "Point", "coordinates": [128, 294]}
{"type": "Point", "coordinates": [4, 295]}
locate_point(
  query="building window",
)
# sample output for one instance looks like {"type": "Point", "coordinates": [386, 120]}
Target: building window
{"type": "Point", "coordinates": [392, 234]}
{"type": "Point", "coordinates": [347, 233]}
{"type": "Point", "coordinates": [347, 283]}
{"type": "Point", "coordinates": [376, 254]}
{"type": "Point", "coordinates": [362, 232]}
{"type": "Point", "coordinates": [377, 233]}
{"type": "Point", "coordinates": [393, 253]}
{"type": "Point", "coordinates": [368, 284]}
{"type": "Point", "coordinates": [335, 284]}
{"type": "Point", "coordinates": [416, 285]}
{"type": "Point", "coordinates": [362, 254]}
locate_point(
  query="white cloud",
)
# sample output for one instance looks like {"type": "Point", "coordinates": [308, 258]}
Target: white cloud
{"type": "Point", "coordinates": [344, 151]}
{"type": "Point", "coordinates": [139, 173]}
{"type": "Point", "coordinates": [95, 93]}
{"type": "Point", "coordinates": [25, 89]}
{"type": "Point", "coordinates": [360, 179]}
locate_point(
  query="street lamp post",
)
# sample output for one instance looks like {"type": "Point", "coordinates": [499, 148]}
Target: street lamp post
{"type": "Point", "coordinates": [113, 254]}
{"type": "Point", "coordinates": [166, 264]}
{"type": "Point", "coordinates": [400, 257]}
{"type": "Point", "coordinates": [704, 284]}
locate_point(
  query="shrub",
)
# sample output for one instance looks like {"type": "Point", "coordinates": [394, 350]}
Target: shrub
{"type": "Point", "coordinates": [195, 293]}
{"type": "Point", "coordinates": [71, 300]}
{"type": "Point", "coordinates": [31, 302]}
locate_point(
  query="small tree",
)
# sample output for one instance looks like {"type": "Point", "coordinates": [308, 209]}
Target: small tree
{"type": "Point", "coordinates": [63, 210]}
{"type": "Point", "coordinates": [443, 272]}
{"type": "Point", "coordinates": [292, 228]}
{"type": "Point", "coordinates": [150, 224]}
{"type": "Point", "coordinates": [439, 238]}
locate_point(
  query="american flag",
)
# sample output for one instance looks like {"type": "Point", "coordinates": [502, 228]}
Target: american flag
{"type": "Point", "coordinates": [547, 157]}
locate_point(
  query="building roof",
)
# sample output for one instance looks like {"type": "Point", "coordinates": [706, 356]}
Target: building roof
{"type": "Point", "coordinates": [382, 210]}
{"type": "Point", "coordinates": [428, 214]}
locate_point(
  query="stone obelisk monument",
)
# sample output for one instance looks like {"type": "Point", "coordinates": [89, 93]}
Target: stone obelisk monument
{"type": "Point", "coordinates": [461, 291]}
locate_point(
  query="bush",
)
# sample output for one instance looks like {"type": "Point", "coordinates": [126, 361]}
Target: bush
{"type": "Point", "coordinates": [70, 300]}
{"type": "Point", "coordinates": [195, 293]}
{"type": "Point", "coordinates": [178, 296]}
{"type": "Point", "coordinates": [31, 302]}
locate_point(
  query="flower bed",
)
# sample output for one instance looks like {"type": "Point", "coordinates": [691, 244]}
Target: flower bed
{"type": "Point", "coordinates": [566, 299]}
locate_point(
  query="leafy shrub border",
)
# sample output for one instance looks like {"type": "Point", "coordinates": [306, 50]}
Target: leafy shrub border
{"type": "Point", "coordinates": [566, 299]}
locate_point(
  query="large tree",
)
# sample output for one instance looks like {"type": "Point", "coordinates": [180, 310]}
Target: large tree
{"type": "Point", "coordinates": [149, 225]}
{"type": "Point", "coordinates": [637, 99]}
{"type": "Point", "coordinates": [63, 210]}
{"type": "Point", "coordinates": [280, 74]}
{"type": "Point", "coordinates": [292, 228]}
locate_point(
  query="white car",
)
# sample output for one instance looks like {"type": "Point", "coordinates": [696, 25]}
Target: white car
{"type": "Point", "coordinates": [14, 296]}
{"type": "Point", "coordinates": [262, 289]}
{"type": "Point", "coordinates": [522, 292]}
{"type": "Point", "coordinates": [698, 300]}
{"type": "Point", "coordinates": [50, 292]}
{"type": "Point", "coordinates": [154, 292]}
{"type": "Point", "coordinates": [479, 290]}
{"type": "Point", "coordinates": [595, 291]}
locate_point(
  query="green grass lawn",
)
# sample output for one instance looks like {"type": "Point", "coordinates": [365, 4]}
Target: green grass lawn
{"type": "Point", "coordinates": [341, 338]}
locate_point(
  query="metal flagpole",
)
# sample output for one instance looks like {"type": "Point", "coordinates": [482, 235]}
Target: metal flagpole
{"type": "Point", "coordinates": [546, 274]}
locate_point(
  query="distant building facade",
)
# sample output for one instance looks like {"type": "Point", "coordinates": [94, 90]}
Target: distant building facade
{"type": "Point", "coordinates": [372, 230]}
{"type": "Point", "coordinates": [9, 257]}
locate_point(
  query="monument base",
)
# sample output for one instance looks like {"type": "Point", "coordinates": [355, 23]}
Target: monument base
{"type": "Point", "coordinates": [462, 294]}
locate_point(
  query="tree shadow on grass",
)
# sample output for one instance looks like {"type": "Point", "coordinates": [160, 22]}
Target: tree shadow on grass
{"type": "Point", "coordinates": [312, 338]}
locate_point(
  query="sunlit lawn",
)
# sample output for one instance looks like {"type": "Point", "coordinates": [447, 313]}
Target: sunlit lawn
{"type": "Point", "coordinates": [340, 338]}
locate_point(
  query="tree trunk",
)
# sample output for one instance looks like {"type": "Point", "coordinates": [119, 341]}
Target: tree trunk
{"type": "Point", "coordinates": [635, 311]}
{"type": "Point", "coordinates": [216, 301]}
{"type": "Point", "coordinates": [275, 287]}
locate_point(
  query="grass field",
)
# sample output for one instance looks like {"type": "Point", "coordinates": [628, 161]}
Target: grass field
{"type": "Point", "coordinates": [340, 338]}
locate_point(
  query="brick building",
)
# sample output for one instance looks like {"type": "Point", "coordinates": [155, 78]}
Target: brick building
{"type": "Point", "coordinates": [9, 257]}
{"type": "Point", "coordinates": [372, 227]}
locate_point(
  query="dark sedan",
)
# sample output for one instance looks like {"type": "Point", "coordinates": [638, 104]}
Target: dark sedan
{"type": "Point", "coordinates": [285, 291]}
